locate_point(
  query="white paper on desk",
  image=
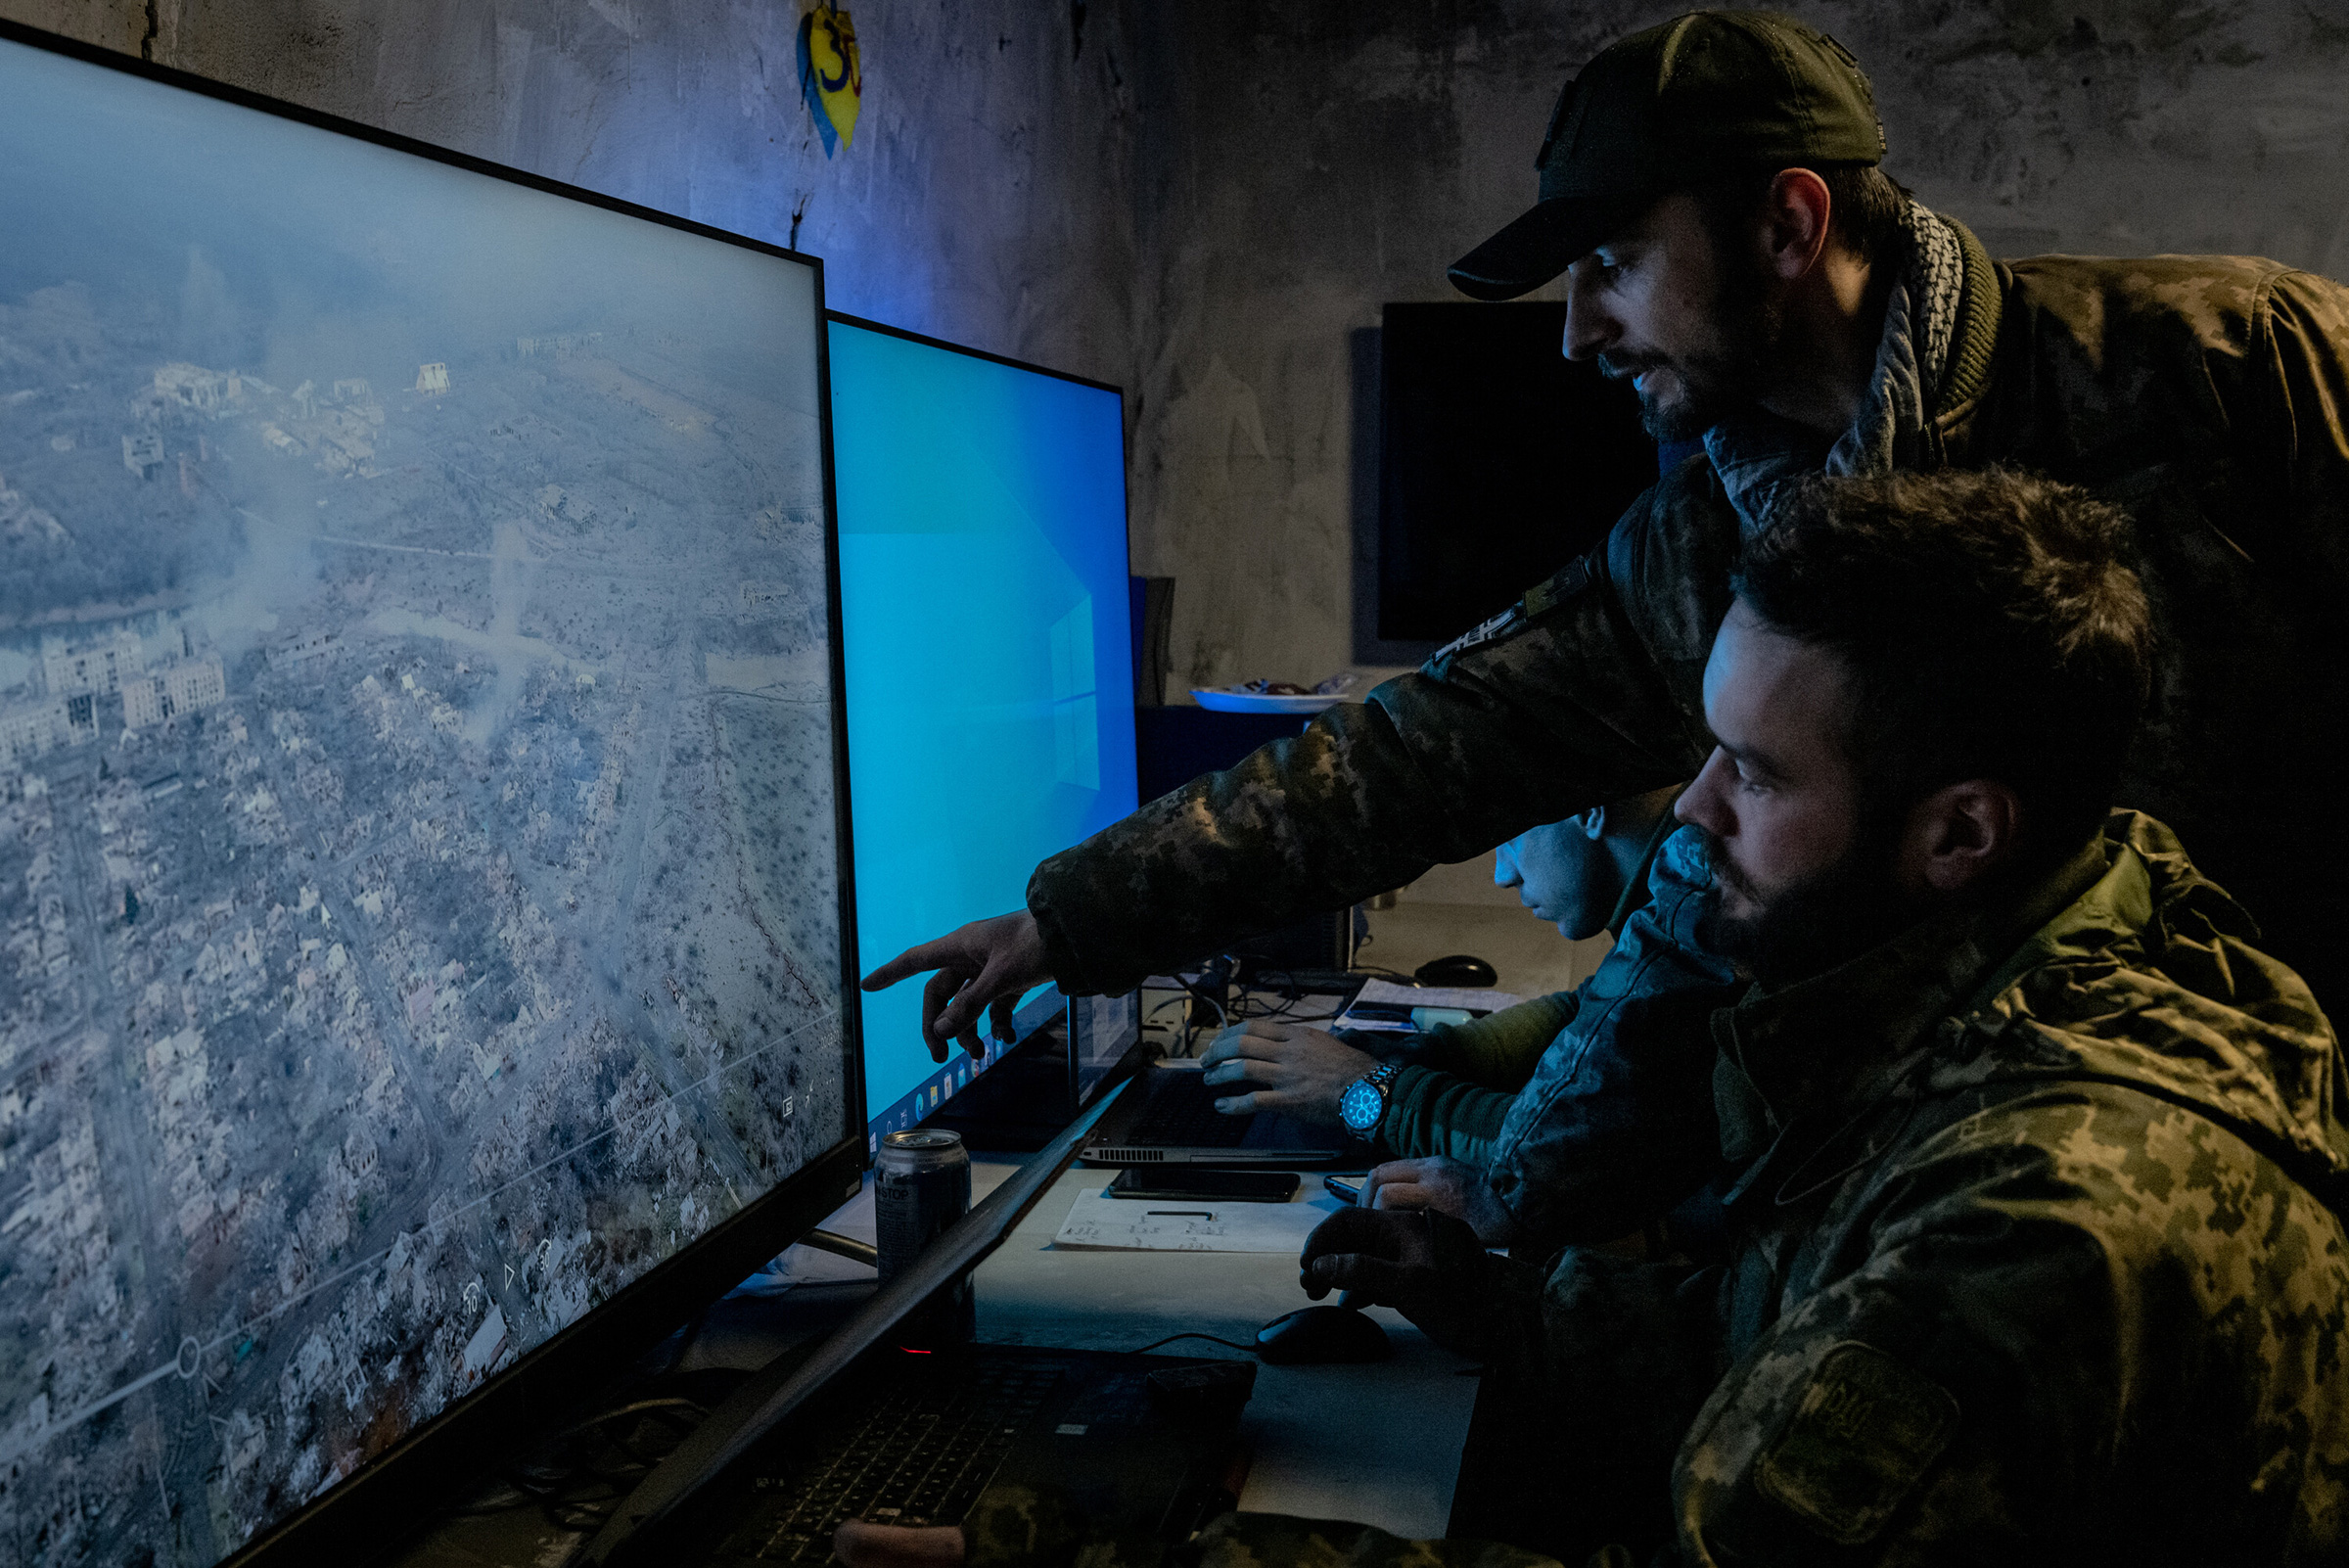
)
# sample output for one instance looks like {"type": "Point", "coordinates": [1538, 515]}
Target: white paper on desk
{"type": "Point", "coordinates": [1101, 1223]}
{"type": "Point", "coordinates": [1386, 994]}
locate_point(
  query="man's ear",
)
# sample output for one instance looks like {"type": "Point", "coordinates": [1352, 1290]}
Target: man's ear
{"type": "Point", "coordinates": [1959, 835]}
{"type": "Point", "coordinates": [1795, 222]}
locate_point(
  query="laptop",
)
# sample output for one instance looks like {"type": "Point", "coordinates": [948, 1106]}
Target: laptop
{"type": "Point", "coordinates": [1170, 1118]}
{"type": "Point", "coordinates": [867, 1426]}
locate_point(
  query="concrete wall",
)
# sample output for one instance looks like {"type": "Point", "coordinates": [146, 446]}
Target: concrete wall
{"type": "Point", "coordinates": [983, 200]}
{"type": "Point", "coordinates": [1304, 161]}
{"type": "Point", "coordinates": [1208, 202]}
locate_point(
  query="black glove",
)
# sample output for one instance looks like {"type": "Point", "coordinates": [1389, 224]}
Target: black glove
{"type": "Point", "coordinates": [1428, 1266]}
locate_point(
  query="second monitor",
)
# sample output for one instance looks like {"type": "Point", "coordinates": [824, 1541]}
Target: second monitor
{"type": "Point", "coordinates": [988, 651]}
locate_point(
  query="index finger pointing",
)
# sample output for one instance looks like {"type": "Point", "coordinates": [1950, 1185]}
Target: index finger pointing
{"type": "Point", "coordinates": [912, 961]}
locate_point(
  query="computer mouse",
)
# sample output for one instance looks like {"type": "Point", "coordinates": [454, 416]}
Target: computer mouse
{"type": "Point", "coordinates": [1313, 1334]}
{"type": "Point", "coordinates": [1457, 969]}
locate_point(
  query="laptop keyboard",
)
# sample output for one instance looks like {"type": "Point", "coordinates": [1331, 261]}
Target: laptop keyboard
{"type": "Point", "coordinates": [920, 1455]}
{"type": "Point", "coordinates": [1181, 1114]}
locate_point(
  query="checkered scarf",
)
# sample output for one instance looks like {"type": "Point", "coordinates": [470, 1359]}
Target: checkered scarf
{"type": "Point", "coordinates": [1759, 455]}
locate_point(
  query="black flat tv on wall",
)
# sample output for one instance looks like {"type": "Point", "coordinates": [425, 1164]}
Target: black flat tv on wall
{"type": "Point", "coordinates": [1500, 461]}
{"type": "Point", "coordinates": [424, 964]}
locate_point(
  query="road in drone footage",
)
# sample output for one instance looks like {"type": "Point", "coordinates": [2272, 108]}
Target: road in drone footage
{"type": "Point", "coordinates": [416, 895]}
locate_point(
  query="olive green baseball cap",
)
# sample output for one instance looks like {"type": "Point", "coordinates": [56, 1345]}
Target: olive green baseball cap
{"type": "Point", "coordinates": [1706, 94]}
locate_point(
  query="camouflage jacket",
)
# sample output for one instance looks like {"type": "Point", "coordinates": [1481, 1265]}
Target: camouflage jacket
{"type": "Point", "coordinates": [2030, 1264]}
{"type": "Point", "coordinates": [2209, 395]}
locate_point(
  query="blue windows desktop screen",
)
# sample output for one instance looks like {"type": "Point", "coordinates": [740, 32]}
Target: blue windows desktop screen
{"type": "Point", "coordinates": [990, 667]}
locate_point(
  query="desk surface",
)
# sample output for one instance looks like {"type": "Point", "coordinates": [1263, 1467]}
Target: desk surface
{"type": "Point", "coordinates": [1379, 1442]}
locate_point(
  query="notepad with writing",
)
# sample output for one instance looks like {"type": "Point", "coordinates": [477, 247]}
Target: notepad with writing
{"type": "Point", "coordinates": [1101, 1223]}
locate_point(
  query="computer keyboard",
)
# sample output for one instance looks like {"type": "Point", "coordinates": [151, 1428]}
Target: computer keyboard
{"type": "Point", "coordinates": [920, 1455]}
{"type": "Point", "coordinates": [1181, 1114]}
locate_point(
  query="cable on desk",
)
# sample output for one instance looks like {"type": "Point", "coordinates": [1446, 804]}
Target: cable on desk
{"type": "Point", "coordinates": [1183, 1026]}
{"type": "Point", "coordinates": [840, 1246]}
{"type": "Point", "coordinates": [1244, 1004]}
{"type": "Point", "coordinates": [1171, 1338]}
{"type": "Point", "coordinates": [1292, 993]}
{"type": "Point", "coordinates": [1197, 992]}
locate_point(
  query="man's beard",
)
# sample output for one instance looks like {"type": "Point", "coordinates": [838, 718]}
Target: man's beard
{"type": "Point", "coordinates": [1750, 327]}
{"type": "Point", "coordinates": [1820, 922]}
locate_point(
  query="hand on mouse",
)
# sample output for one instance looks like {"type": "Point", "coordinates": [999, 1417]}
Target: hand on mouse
{"type": "Point", "coordinates": [1444, 1186]}
{"type": "Point", "coordinates": [1428, 1266]}
{"type": "Point", "coordinates": [1284, 1066]}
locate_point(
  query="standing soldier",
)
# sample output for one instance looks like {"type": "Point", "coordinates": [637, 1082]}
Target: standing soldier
{"type": "Point", "coordinates": [1711, 189]}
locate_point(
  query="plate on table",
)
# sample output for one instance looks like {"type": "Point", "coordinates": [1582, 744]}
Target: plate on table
{"type": "Point", "coordinates": [1224, 700]}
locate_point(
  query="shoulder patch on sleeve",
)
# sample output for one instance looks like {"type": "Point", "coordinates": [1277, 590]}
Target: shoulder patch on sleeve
{"type": "Point", "coordinates": [1490, 629]}
{"type": "Point", "coordinates": [1539, 600]}
{"type": "Point", "coordinates": [1562, 586]}
{"type": "Point", "coordinates": [1866, 1428]}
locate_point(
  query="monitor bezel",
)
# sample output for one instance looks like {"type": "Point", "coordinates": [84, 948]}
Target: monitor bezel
{"type": "Point", "coordinates": [1125, 435]}
{"type": "Point", "coordinates": [1052, 1003]}
{"type": "Point", "coordinates": [388, 1500]}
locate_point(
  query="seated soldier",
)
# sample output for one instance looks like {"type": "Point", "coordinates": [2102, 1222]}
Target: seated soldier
{"type": "Point", "coordinates": [1588, 873]}
{"type": "Point", "coordinates": [1585, 875]}
{"type": "Point", "coordinates": [2030, 1257]}
{"type": "Point", "coordinates": [1545, 1123]}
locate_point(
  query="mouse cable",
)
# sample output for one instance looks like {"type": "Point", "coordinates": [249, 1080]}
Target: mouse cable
{"type": "Point", "coordinates": [1171, 1338]}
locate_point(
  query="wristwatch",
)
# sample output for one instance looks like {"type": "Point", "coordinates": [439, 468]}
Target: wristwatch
{"type": "Point", "coordinates": [1363, 1104]}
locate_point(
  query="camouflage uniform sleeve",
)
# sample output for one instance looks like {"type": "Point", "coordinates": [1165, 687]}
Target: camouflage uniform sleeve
{"type": "Point", "coordinates": [1842, 1428]}
{"type": "Point", "coordinates": [1500, 1050]}
{"type": "Point", "coordinates": [1454, 1097]}
{"type": "Point", "coordinates": [1431, 1112]}
{"type": "Point", "coordinates": [2045, 1280]}
{"type": "Point", "coordinates": [1589, 690]}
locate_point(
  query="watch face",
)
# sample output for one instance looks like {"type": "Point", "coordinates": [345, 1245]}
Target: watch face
{"type": "Point", "coordinates": [1361, 1106]}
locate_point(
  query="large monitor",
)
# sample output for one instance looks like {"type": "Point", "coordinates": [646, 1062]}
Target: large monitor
{"type": "Point", "coordinates": [423, 970]}
{"type": "Point", "coordinates": [989, 661]}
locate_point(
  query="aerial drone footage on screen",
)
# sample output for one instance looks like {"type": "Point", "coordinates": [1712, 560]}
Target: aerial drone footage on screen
{"type": "Point", "coordinates": [419, 879]}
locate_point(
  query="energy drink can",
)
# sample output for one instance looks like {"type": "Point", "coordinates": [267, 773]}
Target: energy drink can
{"type": "Point", "coordinates": [922, 1184]}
